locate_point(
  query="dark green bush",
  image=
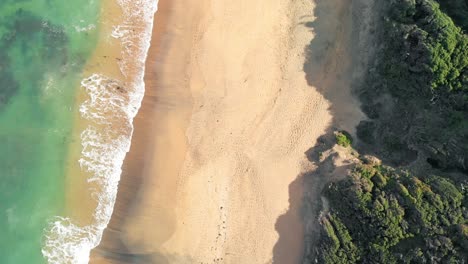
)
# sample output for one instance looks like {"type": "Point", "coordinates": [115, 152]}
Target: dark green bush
{"type": "Point", "coordinates": [343, 139]}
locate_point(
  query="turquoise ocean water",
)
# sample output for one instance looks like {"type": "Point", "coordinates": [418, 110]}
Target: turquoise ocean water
{"type": "Point", "coordinates": [44, 45]}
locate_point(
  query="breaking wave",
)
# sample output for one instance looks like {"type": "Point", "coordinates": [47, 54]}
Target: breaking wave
{"type": "Point", "coordinates": [109, 110]}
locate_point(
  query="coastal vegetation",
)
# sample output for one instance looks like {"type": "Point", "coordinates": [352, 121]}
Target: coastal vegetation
{"type": "Point", "coordinates": [457, 10]}
{"type": "Point", "coordinates": [416, 93]}
{"type": "Point", "coordinates": [343, 138]}
{"type": "Point", "coordinates": [382, 215]}
{"type": "Point", "coordinates": [413, 209]}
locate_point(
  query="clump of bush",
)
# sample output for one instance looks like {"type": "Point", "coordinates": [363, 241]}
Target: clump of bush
{"type": "Point", "coordinates": [382, 215]}
{"type": "Point", "coordinates": [343, 138]}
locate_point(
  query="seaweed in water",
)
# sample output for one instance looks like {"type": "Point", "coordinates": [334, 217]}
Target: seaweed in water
{"type": "Point", "coordinates": [40, 42]}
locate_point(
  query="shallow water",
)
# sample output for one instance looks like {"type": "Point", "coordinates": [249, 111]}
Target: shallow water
{"type": "Point", "coordinates": [44, 45]}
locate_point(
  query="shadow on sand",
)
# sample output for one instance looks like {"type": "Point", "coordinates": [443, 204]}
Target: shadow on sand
{"type": "Point", "coordinates": [333, 68]}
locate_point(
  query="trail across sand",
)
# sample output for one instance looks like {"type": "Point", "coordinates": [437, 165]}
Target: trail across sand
{"type": "Point", "coordinates": [214, 172]}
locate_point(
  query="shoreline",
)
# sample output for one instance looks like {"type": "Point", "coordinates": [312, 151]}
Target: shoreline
{"type": "Point", "coordinates": [109, 96]}
{"type": "Point", "coordinates": [217, 164]}
{"type": "Point", "coordinates": [78, 189]}
{"type": "Point", "coordinates": [112, 248]}
{"type": "Point", "coordinates": [149, 220]}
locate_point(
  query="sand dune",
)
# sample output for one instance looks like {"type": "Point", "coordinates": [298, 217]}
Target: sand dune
{"type": "Point", "coordinates": [214, 171]}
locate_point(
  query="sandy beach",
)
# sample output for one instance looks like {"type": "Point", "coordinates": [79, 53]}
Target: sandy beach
{"type": "Point", "coordinates": [214, 173]}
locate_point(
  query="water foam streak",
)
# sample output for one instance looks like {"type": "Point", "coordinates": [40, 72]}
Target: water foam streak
{"type": "Point", "coordinates": [110, 109]}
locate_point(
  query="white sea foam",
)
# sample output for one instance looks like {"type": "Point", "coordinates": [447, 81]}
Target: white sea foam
{"type": "Point", "coordinates": [104, 146]}
{"type": "Point", "coordinates": [86, 28]}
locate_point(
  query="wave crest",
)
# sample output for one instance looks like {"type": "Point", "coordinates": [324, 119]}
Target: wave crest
{"type": "Point", "coordinates": [110, 108]}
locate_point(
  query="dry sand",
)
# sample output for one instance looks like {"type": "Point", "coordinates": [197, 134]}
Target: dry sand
{"type": "Point", "coordinates": [214, 171]}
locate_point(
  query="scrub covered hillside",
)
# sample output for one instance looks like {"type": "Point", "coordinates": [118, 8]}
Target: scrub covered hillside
{"type": "Point", "coordinates": [416, 95]}
{"type": "Point", "coordinates": [414, 209]}
{"type": "Point", "coordinates": [382, 215]}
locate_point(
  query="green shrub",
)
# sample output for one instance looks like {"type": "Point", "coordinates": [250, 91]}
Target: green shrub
{"type": "Point", "coordinates": [343, 138]}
